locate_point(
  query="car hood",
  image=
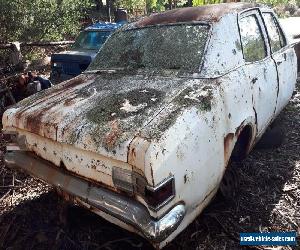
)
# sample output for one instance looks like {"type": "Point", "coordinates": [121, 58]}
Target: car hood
{"type": "Point", "coordinates": [74, 56]}
{"type": "Point", "coordinates": [100, 113]}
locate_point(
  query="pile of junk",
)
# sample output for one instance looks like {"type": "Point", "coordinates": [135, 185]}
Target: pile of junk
{"type": "Point", "coordinates": [19, 86]}
{"type": "Point", "coordinates": [17, 80]}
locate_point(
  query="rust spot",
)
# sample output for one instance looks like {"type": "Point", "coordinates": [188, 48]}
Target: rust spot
{"type": "Point", "coordinates": [32, 120]}
{"type": "Point", "coordinates": [132, 154]}
{"type": "Point", "coordinates": [69, 102]}
{"type": "Point", "coordinates": [74, 82]}
{"type": "Point", "coordinates": [227, 142]}
{"type": "Point", "coordinates": [211, 13]}
{"type": "Point", "coordinates": [239, 129]}
{"type": "Point", "coordinates": [113, 135]}
{"type": "Point", "coordinates": [43, 96]}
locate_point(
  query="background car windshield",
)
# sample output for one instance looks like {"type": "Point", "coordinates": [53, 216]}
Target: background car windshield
{"type": "Point", "coordinates": [91, 40]}
{"type": "Point", "coordinates": [177, 47]}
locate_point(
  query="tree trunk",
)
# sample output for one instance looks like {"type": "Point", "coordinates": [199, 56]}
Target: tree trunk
{"type": "Point", "coordinates": [99, 4]}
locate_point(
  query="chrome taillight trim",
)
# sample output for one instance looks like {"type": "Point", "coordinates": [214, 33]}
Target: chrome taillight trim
{"type": "Point", "coordinates": [160, 185]}
{"type": "Point", "coordinates": [134, 183]}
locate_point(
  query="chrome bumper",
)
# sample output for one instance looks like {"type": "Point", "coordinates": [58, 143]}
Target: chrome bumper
{"type": "Point", "coordinates": [121, 207]}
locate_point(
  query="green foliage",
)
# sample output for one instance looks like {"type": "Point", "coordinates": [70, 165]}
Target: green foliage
{"type": "Point", "coordinates": [130, 5]}
{"type": "Point", "coordinates": [37, 20]}
{"type": "Point", "coordinates": [160, 5]}
{"type": "Point", "coordinates": [198, 2]}
{"type": "Point", "coordinates": [41, 20]}
{"type": "Point", "coordinates": [203, 2]}
{"type": "Point", "coordinates": [274, 2]}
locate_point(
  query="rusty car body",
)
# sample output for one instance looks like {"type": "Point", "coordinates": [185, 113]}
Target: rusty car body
{"type": "Point", "coordinates": [144, 136]}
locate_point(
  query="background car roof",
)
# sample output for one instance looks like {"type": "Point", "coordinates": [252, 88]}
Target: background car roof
{"type": "Point", "coordinates": [105, 26]}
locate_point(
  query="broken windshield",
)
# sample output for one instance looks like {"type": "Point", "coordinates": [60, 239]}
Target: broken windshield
{"type": "Point", "coordinates": [178, 47]}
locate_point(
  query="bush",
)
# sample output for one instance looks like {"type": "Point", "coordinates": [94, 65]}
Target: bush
{"type": "Point", "coordinates": [38, 20]}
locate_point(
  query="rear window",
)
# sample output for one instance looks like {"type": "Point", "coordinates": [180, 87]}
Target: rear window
{"type": "Point", "coordinates": [91, 40]}
{"type": "Point", "coordinates": [178, 47]}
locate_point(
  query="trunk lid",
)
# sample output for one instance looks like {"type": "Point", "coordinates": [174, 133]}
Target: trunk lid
{"type": "Point", "coordinates": [97, 113]}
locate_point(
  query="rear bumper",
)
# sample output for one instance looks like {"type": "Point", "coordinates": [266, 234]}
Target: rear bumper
{"type": "Point", "coordinates": [121, 207]}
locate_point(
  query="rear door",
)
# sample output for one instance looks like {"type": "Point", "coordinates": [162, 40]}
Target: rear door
{"type": "Point", "coordinates": [284, 57]}
{"type": "Point", "coordinates": [259, 67]}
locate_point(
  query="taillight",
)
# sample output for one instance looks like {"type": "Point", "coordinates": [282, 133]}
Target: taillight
{"type": "Point", "coordinates": [158, 196]}
{"type": "Point", "coordinates": [131, 183]}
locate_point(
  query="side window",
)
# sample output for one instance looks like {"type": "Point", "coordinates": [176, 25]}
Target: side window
{"type": "Point", "coordinates": [277, 39]}
{"type": "Point", "coordinates": [252, 39]}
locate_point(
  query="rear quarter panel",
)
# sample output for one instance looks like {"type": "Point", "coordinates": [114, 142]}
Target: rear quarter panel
{"type": "Point", "coordinates": [196, 147]}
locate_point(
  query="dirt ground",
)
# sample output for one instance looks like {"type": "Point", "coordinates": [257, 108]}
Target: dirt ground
{"type": "Point", "coordinates": [268, 200]}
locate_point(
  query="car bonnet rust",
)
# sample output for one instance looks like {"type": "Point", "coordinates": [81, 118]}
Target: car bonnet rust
{"type": "Point", "coordinates": [207, 13]}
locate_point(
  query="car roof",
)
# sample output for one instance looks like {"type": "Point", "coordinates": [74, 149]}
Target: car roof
{"type": "Point", "coordinates": [206, 13]}
{"type": "Point", "coordinates": [104, 26]}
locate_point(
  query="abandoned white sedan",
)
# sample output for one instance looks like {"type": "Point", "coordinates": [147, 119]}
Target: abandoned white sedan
{"type": "Point", "coordinates": [144, 136]}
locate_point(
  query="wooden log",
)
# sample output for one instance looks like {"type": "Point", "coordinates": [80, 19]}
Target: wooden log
{"type": "Point", "coordinates": [37, 44]}
{"type": "Point", "coordinates": [5, 46]}
{"type": "Point", "coordinates": [42, 44]}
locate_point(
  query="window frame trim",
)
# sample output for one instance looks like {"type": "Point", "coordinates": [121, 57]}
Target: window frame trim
{"type": "Point", "coordinates": [257, 13]}
{"type": "Point", "coordinates": [278, 26]}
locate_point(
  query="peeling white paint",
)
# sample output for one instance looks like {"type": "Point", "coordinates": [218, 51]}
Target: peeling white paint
{"type": "Point", "coordinates": [127, 107]}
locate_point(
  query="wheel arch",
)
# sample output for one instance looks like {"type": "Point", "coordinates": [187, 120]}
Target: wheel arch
{"type": "Point", "coordinates": [237, 145]}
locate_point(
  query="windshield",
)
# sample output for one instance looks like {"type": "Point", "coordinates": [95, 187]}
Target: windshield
{"type": "Point", "coordinates": [91, 40]}
{"type": "Point", "coordinates": [178, 47]}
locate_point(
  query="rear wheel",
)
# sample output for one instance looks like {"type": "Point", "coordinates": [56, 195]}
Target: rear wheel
{"type": "Point", "coordinates": [230, 182]}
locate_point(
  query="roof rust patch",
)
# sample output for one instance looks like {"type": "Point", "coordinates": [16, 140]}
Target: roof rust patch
{"type": "Point", "coordinates": [210, 13]}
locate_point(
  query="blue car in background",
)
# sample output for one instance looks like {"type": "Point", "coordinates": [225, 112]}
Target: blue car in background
{"type": "Point", "coordinates": [73, 62]}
